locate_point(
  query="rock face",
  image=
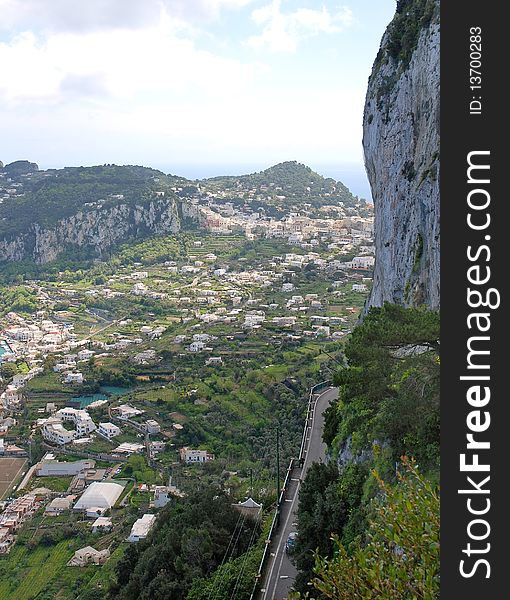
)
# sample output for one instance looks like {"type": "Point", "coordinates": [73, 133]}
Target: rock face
{"type": "Point", "coordinates": [95, 230]}
{"type": "Point", "coordinates": [401, 146]}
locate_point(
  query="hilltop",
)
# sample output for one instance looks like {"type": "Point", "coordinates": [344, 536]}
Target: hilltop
{"type": "Point", "coordinates": [287, 183]}
{"type": "Point", "coordinates": [90, 210]}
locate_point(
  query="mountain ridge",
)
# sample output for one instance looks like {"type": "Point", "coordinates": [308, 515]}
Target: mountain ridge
{"type": "Point", "coordinates": [44, 213]}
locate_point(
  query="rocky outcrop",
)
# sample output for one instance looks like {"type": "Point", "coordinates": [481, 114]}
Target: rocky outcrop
{"type": "Point", "coordinates": [95, 230]}
{"type": "Point", "coordinates": [401, 146]}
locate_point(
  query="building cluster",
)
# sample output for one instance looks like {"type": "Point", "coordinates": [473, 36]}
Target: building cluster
{"type": "Point", "coordinates": [14, 515]}
{"type": "Point", "coordinates": [92, 494]}
{"type": "Point", "coordinates": [296, 228]}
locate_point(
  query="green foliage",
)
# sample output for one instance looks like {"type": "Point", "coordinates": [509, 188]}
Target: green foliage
{"type": "Point", "coordinates": [188, 544]}
{"type": "Point", "coordinates": [19, 167]}
{"type": "Point", "coordinates": [232, 581]}
{"type": "Point", "coordinates": [418, 252]}
{"type": "Point", "coordinates": [297, 182]}
{"type": "Point", "coordinates": [404, 31]}
{"type": "Point", "coordinates": [148, 252]}
{"type": "Point", "coordinates": [400, 559]}
{"type": "Point", "coordinates": [52, 195]}
{"type": "Point", "coordinates": [8, 370]}
{"type": "Point", "coordinates": [390, 391]}
{"type": "Point", "coordinates": [388, 406]}
{"type": "Point", "coordinates": [18, 299]}
{"type": "Point", "coordinates": [136, 467]}
{"type": "Point", "coordinates": [325, 505]}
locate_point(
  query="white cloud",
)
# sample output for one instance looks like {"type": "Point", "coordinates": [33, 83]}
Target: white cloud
{"type": "Point", "coordinates": [282, 32]}
{"type": "Point", "coordinates": [118, 63]}
{"type": "Point", "coordinates": [69, 15]}
{"type": "Point", "coordinates": [139, 88]}
{"type": "Point", "coordinates": [92, 15]}
{"type": "Point", "coordinates": [199, 9]}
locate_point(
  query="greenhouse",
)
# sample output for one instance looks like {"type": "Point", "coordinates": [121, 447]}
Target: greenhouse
{"type": "Point", "coordinates": [100, 494]}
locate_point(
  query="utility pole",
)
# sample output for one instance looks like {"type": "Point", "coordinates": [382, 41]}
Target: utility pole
{"type": "Point", "coordinates": [278, 462]}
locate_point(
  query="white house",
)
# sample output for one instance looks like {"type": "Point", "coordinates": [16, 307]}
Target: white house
{"type": "Point", "coordinates": [190, 455]}
{"type": "Point", "coordinates": [141, 528]}
{"type": "Point", "coordinates": [59, 505]}
{"type": "Point", "coordinates": [214, 360]}
{"type": "Point", "coordinates": [152, 426]}
{"type": "Point", "coordinates": [125, 411]}
{"type": "Point", "coordinates": [102, 524]}
{"type": "Point", "coordinates": [10, 398]}
{"type": "Point", "coordinates": [73, 378]}
{"type": "Point", "coordinates": [161, 496]}
{"type": "Point", "coordinates": [81, 419]}
{"type": "Point", "coordinates": [85, 354]}
{"type": "Point", "coordinates": [108, 430]}
{"type": "Point", "coordinates": [57, 434]}
{"type": "Point", "coordinates": [89, 555]}
{"type": "Point", "coordinates": [363, 262]}
{"type": "Point", "coordinates": [196, 346]}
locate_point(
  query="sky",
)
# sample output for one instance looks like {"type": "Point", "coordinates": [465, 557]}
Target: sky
{"type": "Point", "coordinates": [193, 87]}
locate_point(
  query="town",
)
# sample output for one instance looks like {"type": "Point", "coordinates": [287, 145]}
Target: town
{"type": "Point", "coordinates": [129, 379]}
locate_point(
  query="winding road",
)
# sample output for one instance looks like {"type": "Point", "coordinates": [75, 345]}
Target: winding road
{"type": "Point", "coordinates": [280, 572]}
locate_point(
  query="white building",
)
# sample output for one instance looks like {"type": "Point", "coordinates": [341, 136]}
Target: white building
{"type": "Point", "coordinates": [11, 398]}
{"type": "Point", "coordinates": [196, 347]}
{"type": "Point", "coordinates": [125, 411]}
{"type": "Point", "coordinates": [108, 430]}
{"type": "Point", "coordinates": [253, 319]}
{"type": "Point", "coordinates": [190, 455]}
{"type": "Point", "coordinates": [129, 448]}
{"type": "Point", "coordinates": [81, 419]}
{"type": "Point", "coordinates": [214, 360]}
{"type": "Point", "coordinates": [102, 524]}
{"type": "Point", "coordinates": [88, 555]}
{"type": "Point", "coordinates": [49, 467]}
{"type": "Point", "coordinates": [73, 378]}
{"type": "Point", "coordinates": [161, 496]}
{"type": "Point", "coordinates": [152, 426]}
{"type": "Point", "coordinates": [141, 528]}
{"type": "Point", "coordinates": [85, 354]}
{"type": "Point", "coordinates": [56, 433]}
{"type": "Point", "coordinates": [58, 506]}
{"type": "Point", "coordinates": [362, 262]}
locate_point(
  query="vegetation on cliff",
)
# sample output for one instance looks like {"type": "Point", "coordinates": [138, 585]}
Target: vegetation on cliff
{"type": "Point", "coordinates": [49, 196]}
{"type": "Point", "coordinates": [400, 557]}
{"type": "Point", "coordinates": [388, 407]}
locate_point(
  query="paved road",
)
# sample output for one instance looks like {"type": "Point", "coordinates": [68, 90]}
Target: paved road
{"type": "Point", "coordinates": [280, 572]}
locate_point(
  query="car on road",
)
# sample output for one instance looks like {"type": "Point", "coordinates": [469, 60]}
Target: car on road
{"type": "Point", "coordinates": [290, 544]}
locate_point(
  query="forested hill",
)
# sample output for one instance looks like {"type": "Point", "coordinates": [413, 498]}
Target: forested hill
{"type": "Point", "coordinates": [44, 197]}
{"type": "Point", "coordinates": [287, 183]}
{"type": "Point", "coordinates": [89, 210]}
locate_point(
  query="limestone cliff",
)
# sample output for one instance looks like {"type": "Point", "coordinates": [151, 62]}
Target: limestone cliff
{"type": "Point", "coordinates": [95, 230]}
{"type": "Point", "coordinates": [401, 146]}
